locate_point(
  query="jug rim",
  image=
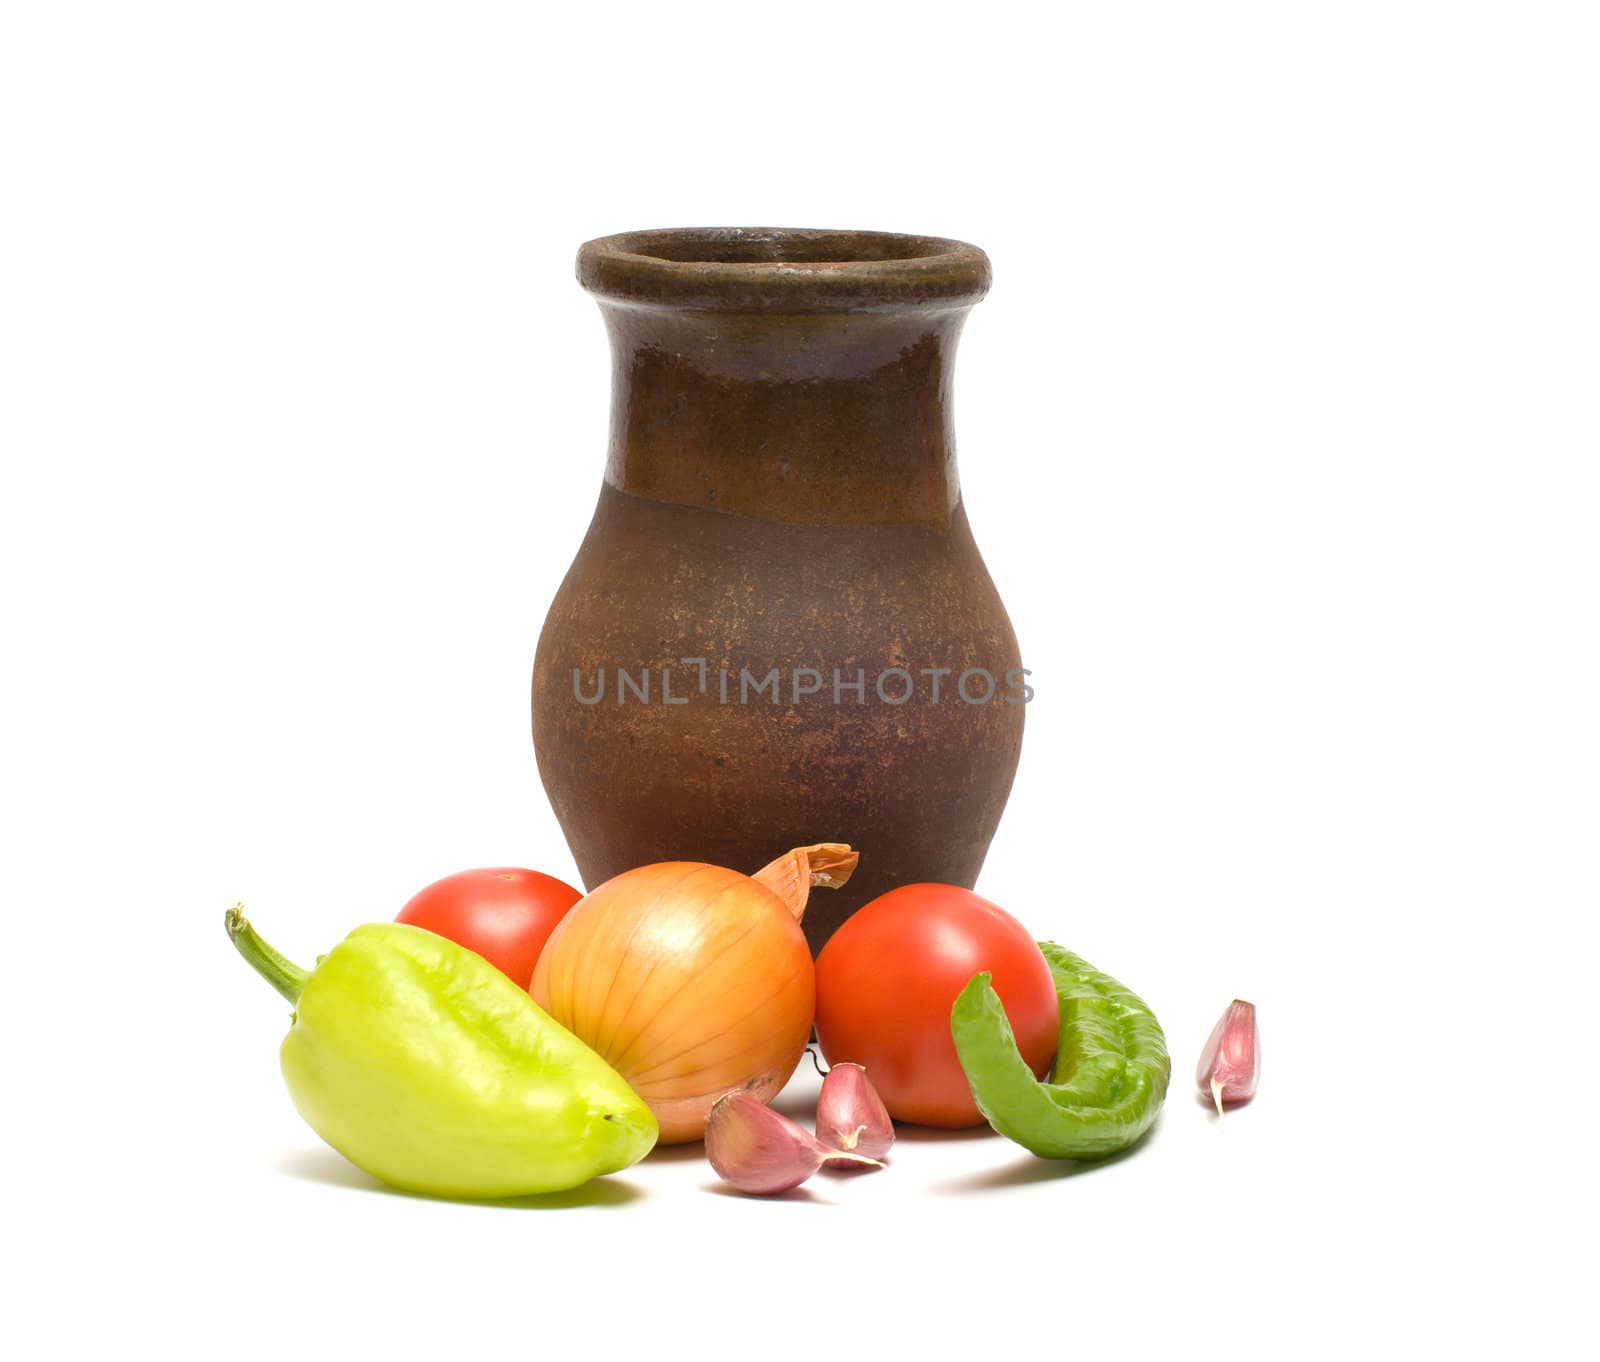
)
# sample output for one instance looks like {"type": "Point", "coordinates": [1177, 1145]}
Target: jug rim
{"type": "Point", "coordinates": [783, 269]}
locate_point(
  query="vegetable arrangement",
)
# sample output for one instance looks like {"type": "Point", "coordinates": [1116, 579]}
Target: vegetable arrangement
{"type": "Point", "coordinates": [1230, 1065]}
{"type": "Point", "coordinates": [508, 1036]}
{"type": "Point", "coordinates": [505, 914]}
{"type": "Point", "coordinates": [888, 977]}
{"type": "Point", "coordinates": [692, 980]}
{"type": "Point", "coordinates": [1110, 1074]}
{"type": "Point", "coordinates": [755, 1149]}
{"type": "Point", "coordinates": [422, 1063]}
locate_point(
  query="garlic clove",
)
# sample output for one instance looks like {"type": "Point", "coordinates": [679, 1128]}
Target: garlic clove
{"type": "Point", "coordinates": [851, 1117]}
{"type": "Point", "coordinates": [756, 1149]}
{"type": "Point", "coordinates": [1230, 1064]}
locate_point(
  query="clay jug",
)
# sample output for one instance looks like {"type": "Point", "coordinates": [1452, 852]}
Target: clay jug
{"type": "Point", "coordinates": [778, 629]}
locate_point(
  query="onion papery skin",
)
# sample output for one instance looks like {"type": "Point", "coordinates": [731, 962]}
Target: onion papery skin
{"type": "Point", "coordinates": [690, 980]}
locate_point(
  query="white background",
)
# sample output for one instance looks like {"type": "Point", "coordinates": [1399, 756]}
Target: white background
{"type": "Point", "coordinates": [1278, 431]}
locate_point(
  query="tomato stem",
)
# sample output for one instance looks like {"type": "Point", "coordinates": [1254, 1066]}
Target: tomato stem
{"type": "Point", "coordinates": [284, 975]}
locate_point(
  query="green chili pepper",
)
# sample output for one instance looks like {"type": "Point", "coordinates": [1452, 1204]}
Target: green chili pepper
{"type": "Point", "coordinates": [1110, 1075]}
{"type": "Point", "coordinates": [425, 1065]}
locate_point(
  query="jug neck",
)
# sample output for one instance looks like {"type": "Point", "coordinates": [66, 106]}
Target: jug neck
{"type": "Point", "coordinates": [831, 419]}
{"type": "Point", "coordinates": [788, 375]}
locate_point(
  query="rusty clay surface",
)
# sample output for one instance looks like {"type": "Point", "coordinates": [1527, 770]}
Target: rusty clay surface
{"type": "Point", "coordinates": [780, 495]}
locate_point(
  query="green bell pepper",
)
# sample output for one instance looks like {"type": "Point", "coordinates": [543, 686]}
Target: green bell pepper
{"type": "Point", "coordinates": [1110, 1075]}
{"type": "Point", "coordinates": [425, 1065]}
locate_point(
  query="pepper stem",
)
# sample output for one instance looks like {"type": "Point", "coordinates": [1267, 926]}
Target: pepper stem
{"type": "Point", "coordinates": [284, 975]}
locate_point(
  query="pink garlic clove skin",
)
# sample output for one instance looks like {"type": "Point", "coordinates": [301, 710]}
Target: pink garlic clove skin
{"type": "Point", "coordinates": [1230, 1065]}
{"type": "Point", "coordinates": [757, 1150]}
{"type": "Point", "coordinates": [851, 1116]}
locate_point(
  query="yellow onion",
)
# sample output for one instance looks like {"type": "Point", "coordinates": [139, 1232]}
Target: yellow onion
{"type": "Point", "coordinates": [692, 980]}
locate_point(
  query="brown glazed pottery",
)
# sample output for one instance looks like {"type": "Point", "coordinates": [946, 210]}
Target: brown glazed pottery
{"type": "Point", "coordinates": [779, 577]}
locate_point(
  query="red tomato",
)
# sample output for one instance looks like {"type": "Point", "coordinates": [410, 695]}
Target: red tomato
{"type": "Point", "coordinates": [887, 979]}
{"type": "Point", "coordinates": [503, 913]}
